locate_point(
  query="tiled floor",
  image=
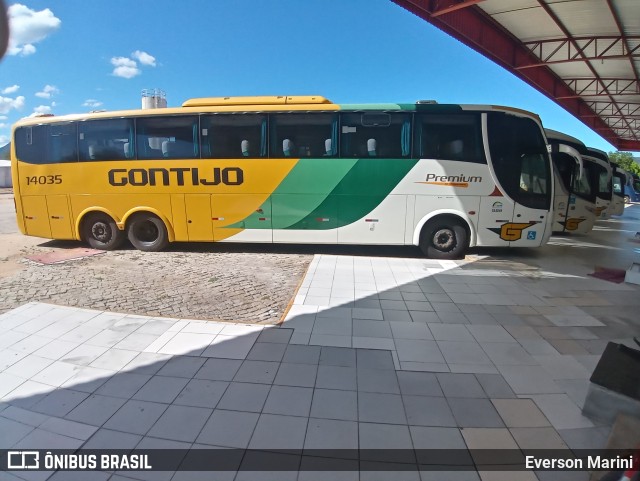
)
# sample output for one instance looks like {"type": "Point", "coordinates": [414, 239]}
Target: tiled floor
{"type": "Point", "coordinates": [374, 353]}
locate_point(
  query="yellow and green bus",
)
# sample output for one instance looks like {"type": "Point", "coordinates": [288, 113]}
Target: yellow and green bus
{"type": "Point", "coordinates": [296, 169]}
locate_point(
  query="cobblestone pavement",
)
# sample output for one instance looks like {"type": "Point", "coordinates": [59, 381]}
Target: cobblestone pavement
{"type": "Point", "coordinates": [230, 286]}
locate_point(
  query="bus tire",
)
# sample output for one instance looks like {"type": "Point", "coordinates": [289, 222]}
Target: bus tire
{"type": "Point", "coordinates": [101, 232]}
{"type": "Point", "coordinates": [147, 232]}
{"type": "Point", "coordinates": [444, 238]}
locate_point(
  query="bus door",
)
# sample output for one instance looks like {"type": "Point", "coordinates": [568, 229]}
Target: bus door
{"type": "Point", "coordinates": [530, 218]}
{"type": "Point", "coordinates": [198, 209]}
{"type": "Point", "coordinates": [521, 164]}
{"type": "Point", "coordinates": [617, 202]}
{"type": "Point", "coordinates": [59, 218]}
{"type": "Point", "coordinates": [36, 215]}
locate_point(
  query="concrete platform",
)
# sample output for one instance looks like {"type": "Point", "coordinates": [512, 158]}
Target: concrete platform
{"type": "Point", "coordinates": [375, 353]}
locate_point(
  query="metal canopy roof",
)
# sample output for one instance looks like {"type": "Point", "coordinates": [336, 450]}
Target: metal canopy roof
{"type": "Point", "coordinates": [584, 54]}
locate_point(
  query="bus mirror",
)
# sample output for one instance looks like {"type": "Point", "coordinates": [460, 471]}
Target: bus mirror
{"type": "Point", "coordinates": [4, 29]}
{"type": "Point", "coordinates": [576, 155]}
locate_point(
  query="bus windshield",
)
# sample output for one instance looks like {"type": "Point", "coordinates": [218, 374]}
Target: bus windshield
{"type": "Point", "coordinates": [520, 159]}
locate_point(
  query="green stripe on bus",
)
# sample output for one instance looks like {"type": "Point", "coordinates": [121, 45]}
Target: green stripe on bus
{"type": "Point", "coordinates": [357, 194]}
{"type": "Point", "coordinates": [300, 192]}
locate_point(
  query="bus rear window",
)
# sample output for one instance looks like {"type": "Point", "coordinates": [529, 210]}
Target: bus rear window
{"type": "Point", "coordinates": [47, 144]}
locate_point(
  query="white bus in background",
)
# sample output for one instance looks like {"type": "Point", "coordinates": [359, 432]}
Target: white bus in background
{"type": "Point", "coordinates": [574, 198]}
{"type": "Point", "coordinates": [601, 181]}
{"type": "Point", "coordinates": [619, 180]}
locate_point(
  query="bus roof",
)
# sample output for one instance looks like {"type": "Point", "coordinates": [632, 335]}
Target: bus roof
{"type": "Point", "coordinates": [271, 104]}
{"type": "Point", "coordinates": [553, 136]}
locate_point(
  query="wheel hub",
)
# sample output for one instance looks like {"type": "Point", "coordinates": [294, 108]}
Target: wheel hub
{"type": "Point", "coordinates": [147, 232]}
{"type": "Point", "coordinates": [101, 231]}
{"type": "Point", "coordinates": [444, 239]}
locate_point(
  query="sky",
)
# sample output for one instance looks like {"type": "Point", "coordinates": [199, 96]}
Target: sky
{"type": "Point", "coordinates": [73, 56]}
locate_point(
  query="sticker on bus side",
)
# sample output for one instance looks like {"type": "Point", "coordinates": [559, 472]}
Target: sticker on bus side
{"type": "Point", "coordinates": [572, 223]}
{"type": "Point", "coordinates": [512, 231]}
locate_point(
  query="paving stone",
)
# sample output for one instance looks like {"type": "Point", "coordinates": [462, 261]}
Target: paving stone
{"type": "Point", "coordinates": [520, 413]}
{"type": "Point", "coordinates": [303, 375]}
{"type": "Point", "coordinates": [136, 417]}
{"type": "Point", "coordinates": [289, 400]}
{"type": "Point", "coordinates": [381, 408]}
{"type": "Point", "coordinates": [460, 385]}
{"type": "Point", "coordinates": [242, 396]}
{"type": "Point", "coordinates": [331, 434]}
{"type": "Point", "coordinates": [279, 432]}
{"type": "Point", "coordinates": [219, 369]}
{"type": "Point", "coordinates": [301, 354]}
{"type": "Point", "coordinates": [181, 366]}
{"type": "Point", "coordinates": [202, 393]}
{"type": "Point", "coordinates": [180, 423]}
{"type": "Point", "coordinates": [475, 413]}
{"type": "Point", "coordinates": [96, 409]}
{"type": "Point", "coordinates": [267, 351]}
{"type": "Point", "coordinates": [538, 438]}
{"type": "Point", "coordinates": [419, 383]}
{"type": "Point", "coordinates": [257, 371]}
{"type": "Point", "coordinates": [336, 377]}
{"type": "Point", "coordinates": [162, 389]}
{"type": "Point", "coordinates": [391, 442]}
{"type": "Point", "coordinates": [228, 428]}
{"type": "Point", "coordinates": [428, 411]}
{"type": "Point", "coordinates": [334, 404]}
{"type": "Point", "coordinates": [109, 439]}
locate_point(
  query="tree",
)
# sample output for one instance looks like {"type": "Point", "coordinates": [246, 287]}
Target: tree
{"type": "Point", "coordinates": [625, 161]}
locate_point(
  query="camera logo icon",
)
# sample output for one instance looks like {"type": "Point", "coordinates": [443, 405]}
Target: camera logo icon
{"type": "Point", "coordinates": [23, 460]}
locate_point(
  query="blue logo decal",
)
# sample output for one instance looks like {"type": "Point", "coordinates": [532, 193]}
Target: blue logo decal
{"type": "Point", "coordinates": [531, 235]}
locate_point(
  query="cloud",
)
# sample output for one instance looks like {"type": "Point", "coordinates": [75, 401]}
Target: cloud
{"type": "Point", "coordinates": [3, 117]}
{"type": "Point", "coordinates": [2, 126]}
{"type": "Point", "coordinates": [125, 67]}
{"type": "Point", "coordinates": [4, 139]}
{"type": "Point", "coordinates": [47, 92]}
{"type": "Point", "coordinates": [41, 109]}
{"type": "Point", "coordinates": [144, 58]}
{"type": "Point", "coordinates": [93, 103]}
{"type": "Point", "coordinates": [27, 27]}
{"type": "Point", "coordinates": [10, 90]}
{"type": "Point", "coordinates": [7, 104]}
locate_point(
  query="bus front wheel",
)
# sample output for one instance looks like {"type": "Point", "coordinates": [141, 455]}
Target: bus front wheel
{"type": "Point", "coordinates": [444, 238]}
{"type": "Point", "coordinates": [101, 232]}
{"type": "Point", "coordinates": [147, 232]}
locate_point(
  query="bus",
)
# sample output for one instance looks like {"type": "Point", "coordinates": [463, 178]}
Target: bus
{"type": "Point", "coordinates": [619, 181]}
{"type": "Point", "coordinates": [295, 169]}
{"type": "Point", "coordinates": [632, 188]}
{"type": "Point", "coordinates": [601, 180]}
{"type": "Point", "coordinates": [574, 198]}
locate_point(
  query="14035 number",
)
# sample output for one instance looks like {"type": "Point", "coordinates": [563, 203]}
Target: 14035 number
{"type": "Point", "coordinates": [44, 179]}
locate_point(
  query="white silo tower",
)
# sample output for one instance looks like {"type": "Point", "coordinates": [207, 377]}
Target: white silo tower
{"type": "Point", "coordinates": [154, 99]}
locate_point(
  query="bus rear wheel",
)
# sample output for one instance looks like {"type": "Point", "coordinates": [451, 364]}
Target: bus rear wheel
{"type": "Point", "coordinates": [444, 238]}
{"type": "Point", "coordinates": [147, 232]}
{"type": "Point", "coordinates": [101, 232]}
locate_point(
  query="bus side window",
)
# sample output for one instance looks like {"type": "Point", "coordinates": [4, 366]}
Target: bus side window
{"type": "Point", "coordinates": [180, 132]}
{"type": "Point", "coordinates": [303, 135]}
{"type": "Point", "coordinates": [108, 139]}
{"type": "Point", "coordinates": [233, 136]}
{"type": "Point", "coordinates": [62, 143]}
{"type": "Point", "coordinates": [30, 144]}
{"type": "Point", "coordinates": [376, 134]}
{"type": "Point", "coordinates": [450, 137]}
